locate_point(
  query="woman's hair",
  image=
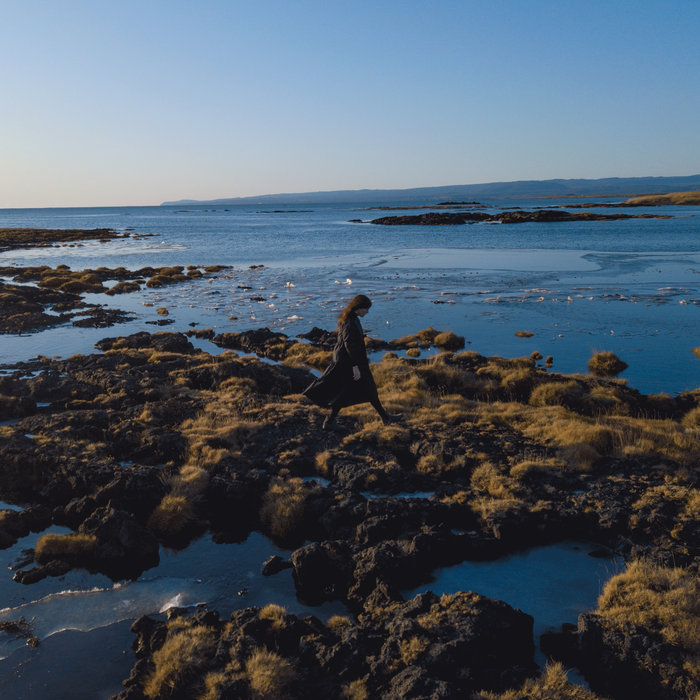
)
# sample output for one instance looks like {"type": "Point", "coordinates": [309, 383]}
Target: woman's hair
{"type": "Point", "coordinates": [359, 302]}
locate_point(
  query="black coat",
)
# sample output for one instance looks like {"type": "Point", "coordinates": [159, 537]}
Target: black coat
{"type": "Point", "coordinates": [336, 387]}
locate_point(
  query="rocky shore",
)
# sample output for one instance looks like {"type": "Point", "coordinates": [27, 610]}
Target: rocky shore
{"type": "Point", "coordinates": [151, 442]}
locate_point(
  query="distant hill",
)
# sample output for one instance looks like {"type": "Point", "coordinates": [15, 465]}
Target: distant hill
{"type": "Point", "coordinates": [521, 189]}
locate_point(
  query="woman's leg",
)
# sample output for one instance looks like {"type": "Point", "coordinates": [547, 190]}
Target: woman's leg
{"type": "Point", "coordinates": [330, 418]}
{"type": "Point", "coordinates": [386, 417]}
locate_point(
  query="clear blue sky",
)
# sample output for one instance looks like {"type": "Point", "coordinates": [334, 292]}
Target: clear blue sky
{"type": "Point", "coordinates": [136, 102]}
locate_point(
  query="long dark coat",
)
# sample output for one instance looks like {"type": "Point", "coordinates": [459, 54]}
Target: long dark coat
{"type": "Point", "coordinates": [336, 388]}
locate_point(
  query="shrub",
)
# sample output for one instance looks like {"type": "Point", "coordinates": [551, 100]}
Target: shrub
{"type": "Point", "coordinates": [268, 674]}
{"type": "Point", "coordinates": [606, 364]}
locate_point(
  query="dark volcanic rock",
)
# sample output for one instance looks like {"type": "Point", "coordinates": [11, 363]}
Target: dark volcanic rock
{"type": "Point", "coordinates": [125, 548]}
{"type": "Point", "coordinates": [432, 219]}
{"type": "Point", "coordinates": [633, 664]}
{"type": "Point", "coordinates": [427, 647]}
{"type": "Point", "coordinates": [506, 217]}
{"type": "Point", "coordinates": [262, 341]}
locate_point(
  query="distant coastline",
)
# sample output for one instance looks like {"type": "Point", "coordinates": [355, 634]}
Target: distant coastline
{"type": "Point", "coordinates": [520, 189]}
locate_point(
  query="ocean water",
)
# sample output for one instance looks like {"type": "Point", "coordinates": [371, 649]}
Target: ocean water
{"type": "Point", "coordinates": [632, 287]}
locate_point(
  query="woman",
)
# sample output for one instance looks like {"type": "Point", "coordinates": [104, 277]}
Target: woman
{"type": "Point", "coordinates": [348, 379]}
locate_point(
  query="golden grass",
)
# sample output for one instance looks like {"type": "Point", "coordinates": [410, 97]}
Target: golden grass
{"type": "Point", "coordinates": [691, 420]}
{"type": "Point", "coordinates": [355, 690]}
{"type": "Point", "coordinates": [606, 364]}
{"type": "Point", "coordinates": [305, 355]}
{"type": "Point", "coordinates": [448, 341]}
{"type": "Point", "coordinates": [607, 435]}
{"type": "Point", "coordinates": [696, 352]}
{"type": "Point", "coordinates": [172, 515]}
{"type": "Point", "coordinates": [283, 506]}
{"type": "Point", "coordinates": [552, 684]}
{"type": "Point", "coordinates": [70, 546]}
{"type": "Point", "coordinates": [275, 614]}
{"type": "Point", "coordinates": [663, 600]}
{"type": "Point", "coordinates": [268, 674]}
{"type": "Point", "coordinates": [338, 622]}
{"type": "Point", "coordinates": [677, 198]}
{"type": "Point", "coordinates": [524, 334]}
{"type": "Point", "coordinates": [186, 651]}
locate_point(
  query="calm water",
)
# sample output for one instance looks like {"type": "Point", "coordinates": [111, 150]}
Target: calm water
{"type": "Point", "coordinates": [632, 287]}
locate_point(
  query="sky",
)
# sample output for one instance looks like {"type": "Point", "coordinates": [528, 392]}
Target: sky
{"type": "Point", "coordinates": [137, 102]}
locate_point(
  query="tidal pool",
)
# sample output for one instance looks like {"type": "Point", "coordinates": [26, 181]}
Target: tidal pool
{"type": "Point", "coordinates": [89, 612]}
{"type": "Point", "coordinates": [554, 583]}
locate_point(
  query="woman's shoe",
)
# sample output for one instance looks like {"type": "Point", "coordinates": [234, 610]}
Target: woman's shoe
{"type": "Point", "coordinates": [330, 424]}
{"type": "Point", "coordinates": [391, 418]}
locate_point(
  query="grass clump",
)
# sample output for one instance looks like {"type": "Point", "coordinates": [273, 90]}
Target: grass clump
{"type": "Point", "coordinates": [275, 614]}
{"type": "Point", "coordinates": [338, 622]}
{"type": "Point", "coordinates": [283, 507]}
{"type": "Point", "coordinates": [524, 334]}
{"type": "Point", "coordinates": [606, 364]}
{"type": "Point", "coordinates": [355, 690]}
{"type": "Point", "coordinates": [662, 600]}
{"type": "Point", "coordinates": [448, 341]}
{"type": "Point", "coordinates": [73, 547]}
{"type": "Point", "coordinates": [268, 674]}
{"type": "Point", "coordinates": [186, 652]}
{"type": "Point", "coordinates": [553, 684]}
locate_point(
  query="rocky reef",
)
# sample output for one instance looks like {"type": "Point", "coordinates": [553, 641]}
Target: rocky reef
{"type": "Point", "coordinates": [43, 297]}
{"type": "Point", "coordinates": [505, 217]}
{"type": "Point", "coordinates": [151, 442]}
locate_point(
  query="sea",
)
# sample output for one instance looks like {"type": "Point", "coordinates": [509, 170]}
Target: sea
{"type": "Point", "coordinates": [628, 286]}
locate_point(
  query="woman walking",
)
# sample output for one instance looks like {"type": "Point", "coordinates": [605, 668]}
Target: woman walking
{"type": "Point", "coordinates": [348, 380]}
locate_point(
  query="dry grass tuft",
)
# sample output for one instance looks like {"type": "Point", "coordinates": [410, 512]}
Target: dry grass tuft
{"type": "Point", "coordinates": [283, 506]}
{"type": "Point", "coordinates": [268, 674]}
{"type": "Point", "coordinates": [691, 420]}
{"type": "Point", "coordinates": [72, 546]}
{"type": "Point", "coordinates": [665, 601]}
{"type": "Point", "coordinates": [448, 341]}
{"type": "Point", "coordinates": [305, 355]}
{"type": "Point", "coordinates": [275, 614]}
{"type": "Point", "coordinates": [177, 510]}
{"type": "Point", "coordinates": [551, 685]}
{"type": "Point", "coordinates": [355, 690]}
{"type": "Point", "coordinates": [606, 364]}
{"type": "Point", "coordinates": [338, 622]}
{"type": "Point", "coordinates": [186, 651]}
